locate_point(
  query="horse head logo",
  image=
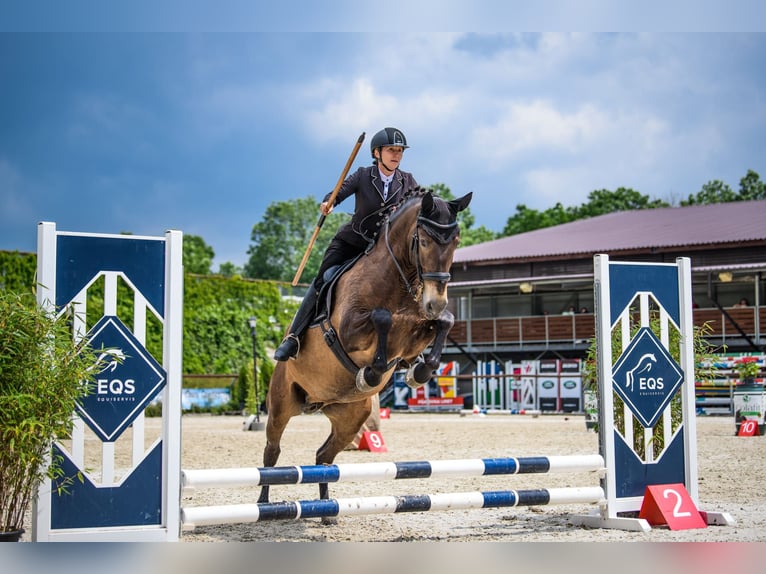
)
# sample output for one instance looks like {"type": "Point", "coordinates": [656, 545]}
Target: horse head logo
{"type": "Point", "coordinates": [110, 358]}
{"type": "Point", "coordinates": [643, 365]}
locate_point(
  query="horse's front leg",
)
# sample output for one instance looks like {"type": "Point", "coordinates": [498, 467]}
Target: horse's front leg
{"type": "Point", "coordinates": [370, 377]}
{"type": "Point", "coordinates": [443, 325]}
{"type": "Point", "coordinates": [422, 371]}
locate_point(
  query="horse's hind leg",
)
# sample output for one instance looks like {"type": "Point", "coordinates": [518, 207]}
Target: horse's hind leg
{"type": "Point", "coordinates": [283, 404]}
{"type": "Point", "coordinates": [346, 420]}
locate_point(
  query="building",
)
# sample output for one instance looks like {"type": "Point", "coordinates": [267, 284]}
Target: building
{"type": "Point", "coordinates": [512, 297]}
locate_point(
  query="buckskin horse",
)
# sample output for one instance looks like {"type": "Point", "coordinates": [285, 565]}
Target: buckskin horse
{"type": "Point", "coordinates": [385, 311]}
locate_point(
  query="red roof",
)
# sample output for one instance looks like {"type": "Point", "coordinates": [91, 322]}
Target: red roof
{"type": "Point", "coordinates": [714, 224]}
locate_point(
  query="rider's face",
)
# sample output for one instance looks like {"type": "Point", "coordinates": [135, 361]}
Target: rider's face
{"type": "Point", "coordinates": [389, 158]}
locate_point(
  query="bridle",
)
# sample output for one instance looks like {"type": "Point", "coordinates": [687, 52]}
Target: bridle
{"type": "Point", "coordinates": [442, 233]}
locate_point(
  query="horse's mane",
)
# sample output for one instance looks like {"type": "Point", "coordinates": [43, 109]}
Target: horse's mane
{"type": "Point", "coordinates": [410, 198]}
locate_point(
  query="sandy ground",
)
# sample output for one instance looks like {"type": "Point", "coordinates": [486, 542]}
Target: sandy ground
{"type": "Point", "coordinates": [731, 471]}
{"type": "Point", "coordinates": [492, 541]}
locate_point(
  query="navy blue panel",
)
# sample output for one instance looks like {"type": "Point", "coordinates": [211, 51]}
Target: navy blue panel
{"type": "Point", "coordinates": [413, 503]}
{"type": "Point", "coordinates": [277, 510]}
{"type": "Point", "coordinates": [416, 469]}
{"type": "Point", "coordinates": [138, 501]}
{"type": "Point", "coordinates": [534, 464]}
{"type": "Point", "coordinates": [500, 466]}
{"type": "Point", "coordinates": [661, 280]}
{"type": "Point", "coordinates": [633, 475]}
{"type": "Point", "coordinates": [533, 497]}
{"type": "Point", "coordinates": [279, 475]}
{"type": "Point", "coordinates": [319, 508]}
{"type": "Point", "coordinates": [80, 258]}
{"type": "Point", "coordinates": [499, 498]}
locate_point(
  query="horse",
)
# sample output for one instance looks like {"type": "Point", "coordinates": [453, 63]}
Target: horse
{"type": "Point", "coordinates": [386, 310]}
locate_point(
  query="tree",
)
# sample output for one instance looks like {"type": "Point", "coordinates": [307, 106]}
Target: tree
{"type": "Point", "coordinates": [280, 239]}
{"type": "Point", "coordinates": [603, 201]}
{"type": "Point", "coordinates": [228, 269]}
{"type": "Point", "coordinates": [600, 202]}
{"type": "Point", "coordinates": [527, 219]}
{"type": "Point", "coordinates": [751, 187]}
{"type": "Point", "coordinates": [197, 255]}
{"type": "Point", "coordinates": [714, 191]}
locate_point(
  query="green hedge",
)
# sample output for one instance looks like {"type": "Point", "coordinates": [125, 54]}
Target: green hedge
{"type": "Point", "coordinates": [17, 270]}
{"type": "Point", "coordinates": [216, 335]}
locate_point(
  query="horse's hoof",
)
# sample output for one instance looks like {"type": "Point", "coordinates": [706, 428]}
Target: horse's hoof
{"type": "Point", "coordinates": [417, 372]}
{"type": "Point", "coordinates": [329, 520]}
{"type": "Point", "coordinates": [361, 381]}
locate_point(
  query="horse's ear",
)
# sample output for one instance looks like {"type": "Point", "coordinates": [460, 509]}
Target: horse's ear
{"type": "Point", "coordinates": [427, 203]}
{"type": "Point", "coordinates": [458, 205]}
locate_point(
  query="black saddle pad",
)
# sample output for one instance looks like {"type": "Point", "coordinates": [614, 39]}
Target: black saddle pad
{"type": "Point", "coordinates": [324, 301]}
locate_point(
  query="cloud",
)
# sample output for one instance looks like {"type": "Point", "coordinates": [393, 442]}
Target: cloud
{"type": "Point", "coordinates": [364, 106]}
{"type": "Point", "coordinates": [538, 125]}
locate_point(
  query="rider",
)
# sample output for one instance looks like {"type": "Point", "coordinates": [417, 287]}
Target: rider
{"type": "Point", "coordinates": [377, 188]}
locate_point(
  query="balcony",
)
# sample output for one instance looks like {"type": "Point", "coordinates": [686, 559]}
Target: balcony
{"type": "Point", "coordinates": [565, 332]}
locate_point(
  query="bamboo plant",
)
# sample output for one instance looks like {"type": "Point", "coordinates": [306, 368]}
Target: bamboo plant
{"type": "Point", "coordinates": [43, 373]}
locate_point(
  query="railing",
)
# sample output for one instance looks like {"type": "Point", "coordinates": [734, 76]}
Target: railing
{"type": "Point", "coordinates": [558, 330]}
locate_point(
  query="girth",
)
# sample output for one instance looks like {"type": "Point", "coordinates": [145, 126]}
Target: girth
{"type": "Point", "coordinates": [331, 338]}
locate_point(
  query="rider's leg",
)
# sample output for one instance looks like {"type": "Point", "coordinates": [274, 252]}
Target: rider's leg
{"type": "Point", "coordinates": [337, 252]}
{"type": "Point", "coordinates": [305, 314]}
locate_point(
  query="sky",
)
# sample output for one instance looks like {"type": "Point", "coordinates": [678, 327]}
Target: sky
{"type": "Point", "coordinates": [143, 131]}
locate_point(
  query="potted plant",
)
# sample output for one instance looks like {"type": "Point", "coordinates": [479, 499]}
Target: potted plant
{"type": "Point", "coordinates": [747, 369]}
{"type": "Point", "coordinates": [43, 372]}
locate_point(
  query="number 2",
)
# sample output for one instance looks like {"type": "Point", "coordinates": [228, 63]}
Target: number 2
{"type": "Point", "coordinates": [677, 508]}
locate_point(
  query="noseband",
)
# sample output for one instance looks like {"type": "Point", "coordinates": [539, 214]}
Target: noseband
{"type": "Point", "coordinates": [442, 233]}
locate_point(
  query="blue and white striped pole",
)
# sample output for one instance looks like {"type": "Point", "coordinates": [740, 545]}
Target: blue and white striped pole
{"type": "Point", "coordinates": [257, 512]}
{"type": "Point", "coordinates": [357, 472]}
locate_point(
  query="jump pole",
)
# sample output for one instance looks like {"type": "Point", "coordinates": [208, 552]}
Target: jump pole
{"type": "Point", "coordinates": [381, 471]}
{"type": "Point", "coordinates": [258, 512]}
{"type": "Point", "coordinates": [191, 517]}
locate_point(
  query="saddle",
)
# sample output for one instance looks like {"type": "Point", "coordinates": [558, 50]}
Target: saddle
{"type": "Point", "coordinates": [325, 296]}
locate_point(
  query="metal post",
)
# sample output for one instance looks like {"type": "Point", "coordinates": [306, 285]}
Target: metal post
{"type": "Point", "coordinates": [256, 423]}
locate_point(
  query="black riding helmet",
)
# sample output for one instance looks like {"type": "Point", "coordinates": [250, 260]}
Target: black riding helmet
{"type": "Point", "coordinates": [387, 137]}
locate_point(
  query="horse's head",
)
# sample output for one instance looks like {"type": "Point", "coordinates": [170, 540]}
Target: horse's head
{"type": "Point", "coordinates": [434, 242]}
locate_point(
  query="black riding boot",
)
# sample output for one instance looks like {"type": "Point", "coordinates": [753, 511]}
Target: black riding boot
{"type": "Point", "coordinates": [291, 344]}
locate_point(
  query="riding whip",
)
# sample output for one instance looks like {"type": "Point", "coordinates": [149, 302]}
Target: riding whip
{"type": "Point", "coordinates": [330, 201]}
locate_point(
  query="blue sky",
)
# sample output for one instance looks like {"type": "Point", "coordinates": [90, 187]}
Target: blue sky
{"type": "Point", "coordinates": [199, 131]}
